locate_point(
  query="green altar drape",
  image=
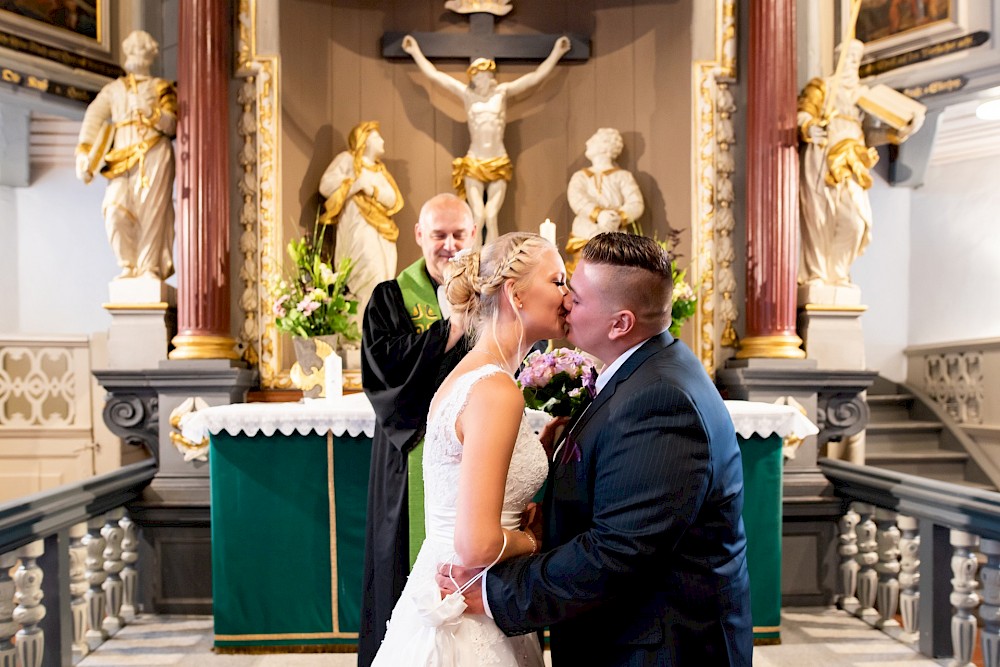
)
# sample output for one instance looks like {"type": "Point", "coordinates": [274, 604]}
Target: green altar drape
{"type": "Point", "coordinates": [288, 517]}
{"type": "Point", "coordinates": [762, 472]}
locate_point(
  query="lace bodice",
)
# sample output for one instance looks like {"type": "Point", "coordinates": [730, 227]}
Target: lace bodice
{"type": "Point", "coordinates": [443, 456]}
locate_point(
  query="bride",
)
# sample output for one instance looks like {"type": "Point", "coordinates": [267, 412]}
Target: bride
{"type": "Point", "coordinates": [482, 463]}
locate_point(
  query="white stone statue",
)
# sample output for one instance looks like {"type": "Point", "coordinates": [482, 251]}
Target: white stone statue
{"type": "Point", "coordinates": [604, 197]}
{"type": "Point", "coordinates": [482, 175]}
{"type": "Point", "coordinates": [126, 135]}
{"type": "Point", "coordinates": [837, 156]}
{"type": "Point", "coordinates": [361, 198]}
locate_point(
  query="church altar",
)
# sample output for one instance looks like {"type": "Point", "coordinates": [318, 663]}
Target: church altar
{"type": "Point", "coordinates": [289, 485]}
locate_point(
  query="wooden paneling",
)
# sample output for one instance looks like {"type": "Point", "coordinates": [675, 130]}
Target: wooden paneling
{"type": "Point", "coordinates": [638, 81]}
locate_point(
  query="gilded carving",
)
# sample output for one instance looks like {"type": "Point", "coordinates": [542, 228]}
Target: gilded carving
{"type": "Point", "coordinates": [260, 241]}
{"type": "Point", "coordinates": [714, 222]}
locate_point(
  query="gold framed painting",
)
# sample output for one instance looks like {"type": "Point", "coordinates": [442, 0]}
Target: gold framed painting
{"type": "Point", "coordinates": [79, 26]}
{"type": "Point", "coordinates": [890, 26]}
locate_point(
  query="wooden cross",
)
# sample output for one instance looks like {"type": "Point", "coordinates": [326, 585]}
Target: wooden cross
{"type": "Point", "coordinates": [482, 42]}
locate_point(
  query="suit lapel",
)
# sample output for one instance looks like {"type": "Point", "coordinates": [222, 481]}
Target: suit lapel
{"type": "Point", "coordinates": [648, 349]}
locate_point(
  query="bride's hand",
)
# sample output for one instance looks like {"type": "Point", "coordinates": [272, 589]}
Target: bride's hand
{"type": "Point", "coordinates": [473, 594]}
{"type": "Point", "coordinates": [531, 522]}
{"type": "Point", "coordinates": [551, 432]}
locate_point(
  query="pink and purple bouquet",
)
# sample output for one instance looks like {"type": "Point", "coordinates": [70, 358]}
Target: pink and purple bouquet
{"type": "Point", "coordinates": [557, 382]}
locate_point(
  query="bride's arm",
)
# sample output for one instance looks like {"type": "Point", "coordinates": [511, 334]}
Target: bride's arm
{"type": "Point", "coordinates": [487, 429]}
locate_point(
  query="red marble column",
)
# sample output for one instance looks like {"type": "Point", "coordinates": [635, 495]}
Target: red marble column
{"type": "Point", "coordinates": [772, 185]}
{"type": "Point", "coordinates": [203, 66]}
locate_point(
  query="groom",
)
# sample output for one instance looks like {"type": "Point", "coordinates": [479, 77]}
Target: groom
{"type": "Point", "coordinates": [644, 561]}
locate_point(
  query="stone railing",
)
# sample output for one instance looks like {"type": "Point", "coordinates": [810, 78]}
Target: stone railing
{"type": "Point", "coordinates": [927, 549]}
{"type": "Point", "coordinates": [75, 551]}
{"type": "Point", "coordinates": [963, 379]}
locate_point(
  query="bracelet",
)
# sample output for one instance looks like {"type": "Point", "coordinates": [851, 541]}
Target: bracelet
{"type": "Point", "coordinates": [534, 542]}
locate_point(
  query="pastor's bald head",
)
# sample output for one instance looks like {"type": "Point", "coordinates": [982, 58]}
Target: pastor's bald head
{"type": "Point", "coordinates": [636, 274]}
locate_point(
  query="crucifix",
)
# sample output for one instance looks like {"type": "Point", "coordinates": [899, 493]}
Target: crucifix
{"type": "Point", "coordinates": [481, 176]}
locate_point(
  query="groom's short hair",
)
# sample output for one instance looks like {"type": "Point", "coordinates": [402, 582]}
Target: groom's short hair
{"type": "Point", "coordinates": [643, 280]}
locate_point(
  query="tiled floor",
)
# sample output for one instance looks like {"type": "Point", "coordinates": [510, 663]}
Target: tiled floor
{"type": "Point", "coordinates": [813, 637]}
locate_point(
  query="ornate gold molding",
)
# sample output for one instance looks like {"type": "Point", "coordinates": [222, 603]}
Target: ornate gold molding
{"type": "Point", "coordinates": [261, 240]}
{"type": "Point", "coordinates": [713, 224]}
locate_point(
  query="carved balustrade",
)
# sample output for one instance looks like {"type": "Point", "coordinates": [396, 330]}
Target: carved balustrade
{"type": "Point", "coordinates": [68, 568]}
{"type": "Point", "coordinates": [926, 549]}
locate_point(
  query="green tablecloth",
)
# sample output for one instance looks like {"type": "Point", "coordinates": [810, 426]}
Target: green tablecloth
{"type": "Point", "coordinates": [285, 509]}
{"type": "Point", "coordinates": [288, 521]}
{"type": "Point", "coordinates": [762, 467]}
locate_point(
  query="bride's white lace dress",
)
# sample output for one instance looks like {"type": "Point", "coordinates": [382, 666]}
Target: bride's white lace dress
{"type": "Point", "coordinates": [413, 639]}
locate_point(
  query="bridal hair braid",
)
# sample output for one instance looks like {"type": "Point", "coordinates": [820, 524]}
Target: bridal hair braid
{"type": "Point", "coordinates": [474, 281]}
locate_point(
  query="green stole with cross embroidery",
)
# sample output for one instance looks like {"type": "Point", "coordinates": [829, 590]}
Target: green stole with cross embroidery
{"type": "Point", "coordinates": [420, 299]}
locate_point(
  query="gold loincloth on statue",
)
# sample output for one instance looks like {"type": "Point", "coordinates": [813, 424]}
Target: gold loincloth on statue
{"type": "Point", "coordinates": [486, 171]}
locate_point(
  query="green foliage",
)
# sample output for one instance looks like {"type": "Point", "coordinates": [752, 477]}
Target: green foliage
{"type": "Point", "coordinates": [315, 301]}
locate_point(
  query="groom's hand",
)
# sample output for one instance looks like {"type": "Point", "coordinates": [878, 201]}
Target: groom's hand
{"type": "Point", "coordinates": [473, 594]}
{"type": "Point", "coordinates": [551, 432]}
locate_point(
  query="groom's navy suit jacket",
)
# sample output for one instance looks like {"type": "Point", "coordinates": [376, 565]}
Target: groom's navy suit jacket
{"type": "Point", "coordinates": [644, 561]}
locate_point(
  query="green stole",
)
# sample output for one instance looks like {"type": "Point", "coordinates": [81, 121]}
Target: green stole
{"type": "Point", "coordinates": [420, 298]}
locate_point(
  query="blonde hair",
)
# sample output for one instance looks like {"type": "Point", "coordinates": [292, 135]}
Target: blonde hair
{"type": "Point", "coordinates": [474, 280]}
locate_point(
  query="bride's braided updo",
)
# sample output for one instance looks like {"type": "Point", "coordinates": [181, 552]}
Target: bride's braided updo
{"type": "Point", "coordinates": [474, 280]}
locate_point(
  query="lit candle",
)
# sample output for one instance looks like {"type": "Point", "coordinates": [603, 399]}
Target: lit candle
{"type": "Point", "coordinates": [547, 231]}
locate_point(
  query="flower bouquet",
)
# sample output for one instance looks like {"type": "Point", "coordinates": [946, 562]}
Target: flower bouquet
{"type": "Point", "coordinates": [316, 301]}
{"type": "Point", "coordinates": [315, 305]}
{"type": "Point", "coordinates": [557, 382]}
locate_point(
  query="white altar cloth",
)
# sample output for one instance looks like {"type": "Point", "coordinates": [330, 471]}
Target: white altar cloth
{"type": "Point", "coordinates": [353, 414]}
{"type": "Point", "coordinates": [765, 419]}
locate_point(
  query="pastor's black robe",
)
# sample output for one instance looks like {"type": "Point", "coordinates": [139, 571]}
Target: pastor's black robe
{"type": "Point", "coordinates": [400, 370]}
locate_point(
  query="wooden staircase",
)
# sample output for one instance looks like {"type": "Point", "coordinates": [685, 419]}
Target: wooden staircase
{"type": "Point", "coordinates": [907, 433]}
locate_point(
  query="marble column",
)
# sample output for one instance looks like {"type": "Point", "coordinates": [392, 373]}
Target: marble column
{"type": "Point", "coordinates": [772, 185]}
{"type": "Point", "coordinates": [203, 67]}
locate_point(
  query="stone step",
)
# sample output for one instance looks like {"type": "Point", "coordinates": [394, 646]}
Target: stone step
{"type": "Point", "coordinates": [937, 464]}
{"type": "Point", "coordinates": [883, 399]}
{"type": "Point", "coordinates": [889, 408]}
{"type": "Point", "coordinates": [903, 436]}
{"type": "Point", "coordinates": [904, 426]}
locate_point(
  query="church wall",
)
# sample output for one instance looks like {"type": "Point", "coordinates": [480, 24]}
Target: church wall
{"type": "Point", "coordinates": [638, 80]}
{"type": "Point", "coordinates": [883, 273]}
{"type": "Point", "coordinates": [64, 262]}
{"type": "Point", "coordinates": [955, 254]}
{"type": "Point", "coordinates": [10, 297]}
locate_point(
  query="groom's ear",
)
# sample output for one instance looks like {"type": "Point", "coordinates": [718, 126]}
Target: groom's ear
{"type": "Point", "coordinates": [622, 323]}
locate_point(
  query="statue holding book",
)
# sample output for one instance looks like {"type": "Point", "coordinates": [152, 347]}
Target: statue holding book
{"type": "Point", "coordinates": [840, 122]}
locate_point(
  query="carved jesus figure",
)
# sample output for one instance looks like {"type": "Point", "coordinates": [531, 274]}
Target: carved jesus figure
{"type": "Point", "coordinates": [482, 175]}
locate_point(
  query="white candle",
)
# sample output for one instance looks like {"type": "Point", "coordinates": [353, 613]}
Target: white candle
{"type": "Point", "coordinates": [333, 370]}
{"type": "Point", "coordinates": [547, 231]}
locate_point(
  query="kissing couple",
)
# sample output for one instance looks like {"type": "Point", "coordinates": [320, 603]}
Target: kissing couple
{"type": "Point", "coordinates": [637, 555]}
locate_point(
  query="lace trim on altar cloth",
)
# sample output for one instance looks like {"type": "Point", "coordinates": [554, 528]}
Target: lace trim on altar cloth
{"type": "Point", "coordinates": [352, 415]}
{"type": "Point", "coordinates": [765, 419]}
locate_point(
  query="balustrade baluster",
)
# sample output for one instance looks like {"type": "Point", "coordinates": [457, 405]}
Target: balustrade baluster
{"type": "Point", "coordinates": [887, 595]}
{"type": "Point", "coordinates": [130, 575]}
{"type": "Point", "coordinates": [963, 597]}
{"type": "Point", "coordinates": [909, 577]}
{"type": "Point", "coordinates": [989, 611]}
{"type": "Point", "coordinates": [7, 625]}
{"type": "Point", "coordinates": [30, 639]}
{"type": "Point", "coordinates": [78, 586]}
{"type": "Point", "coordinates": [847, 550]}
{"type": "Point", "coordinates": [866, 558]}
{"type": "Point", "coordinates": [96, 600]}
{"type": "Point", "coordinates": [113, 565]}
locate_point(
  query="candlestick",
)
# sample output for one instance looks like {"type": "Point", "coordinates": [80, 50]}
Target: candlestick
{"type": "Point", "coordinates": [547, 231]}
